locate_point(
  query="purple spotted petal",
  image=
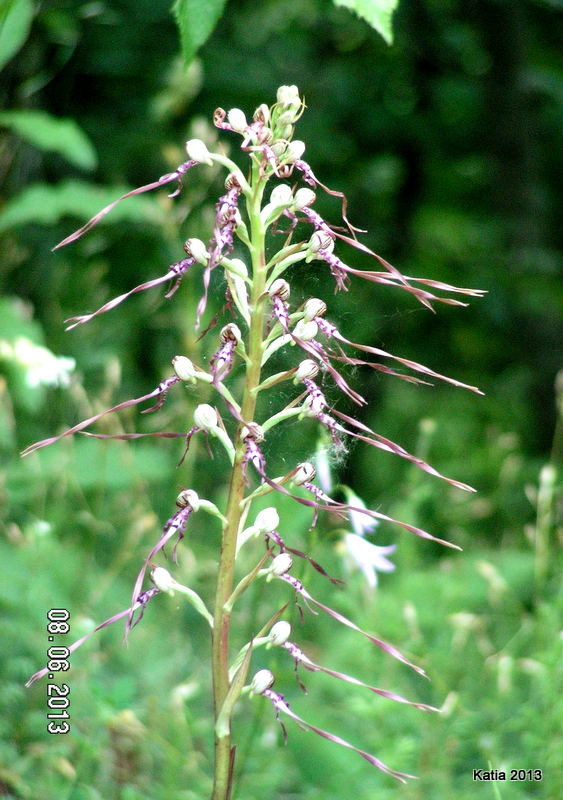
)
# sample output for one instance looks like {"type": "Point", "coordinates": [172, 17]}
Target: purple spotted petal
{"type": "Point", "coordinates": [222, 241]}
{"type": "Point", "coordinates": [175, 525]}
{"type": "Point", "coordinates": [275, 537]}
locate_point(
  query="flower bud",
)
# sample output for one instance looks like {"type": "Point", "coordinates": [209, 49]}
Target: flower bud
{"type": "Point", "coordinates": [267, 520]}
{"type": "Point", "coordinates": [306, 330]}
{"type": "Point", "coordinates": [279, 148]}
{"type": "Point", "coordinates": [183, 368]}
{"type": "Point", "coordinates": [281, 564]}
{"type": "Point", "coordinates": [281, 195]}
{"type": "Point", "coordinates": [231, 181]}
{"type": "Point", "coordinates": [304, 198]}
{"type": "Point", "coordinates": [237, 267]}
{"type": "Point", "coordinates": [288, 95]}
{"type": "Point", "coordinates": [304, 474]}
{"type": "Point", "coordinates": [314, 308]}
{"type": "Point", "coordinates": [265, 136]}
{"type": "Point", "coordinates": [280, 632]}
{"type": "Point", "coordinates": [188, 497]}
{"type": "Point", "coordinates": [205, 417]}
{"type": "Point", "coordinates": [307, 369]}
{"type": "Point", "coordinates": [237, 120]}
{"type": "Point", "coordinates": [295, 150]}
{"type": "Point", "coordinates": [253, 430]}
{"type": "Point", "coordinates": [321, 240]}
{"type": "Point", "coordinates": [281, 288]}
{"type": "Point", "coordinates": [285, 132]}
{"type": "Point", "coordinates": [163, 580]}
{"type": "Point", "coordinates": [262, 114]}
{"type": "Point", "coordinates": [262, 681]}
{"type": "Point", "coordinates": [230, 332]}
{"type": "Point", "coordinates": [197, 249]}
{"type": "Point", "coordinates": [286, 118]}
{"type": "Point", "coordinates": [197, 151]}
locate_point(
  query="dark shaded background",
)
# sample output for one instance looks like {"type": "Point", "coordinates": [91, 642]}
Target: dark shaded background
{"type": "Point", "coordinates": [447, 145]}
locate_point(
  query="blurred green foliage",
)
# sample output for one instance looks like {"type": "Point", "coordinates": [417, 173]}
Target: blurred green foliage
{"type": "Point", "coordinates": [447, 145]}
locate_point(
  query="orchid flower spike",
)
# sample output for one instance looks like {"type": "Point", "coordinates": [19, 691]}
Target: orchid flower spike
{"type": "Point", "coordinates": [261, 316]}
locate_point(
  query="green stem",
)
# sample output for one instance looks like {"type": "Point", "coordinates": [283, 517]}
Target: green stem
{"type": "Point", "coordinates": [287, 262]}
{"type": "Point", "coordinates": [286, 413]}
{"type": "Point", "coordinates": [225, 578]}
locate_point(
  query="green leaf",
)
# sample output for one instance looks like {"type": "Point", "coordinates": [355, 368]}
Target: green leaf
{"type": "Point", "coordinates": [45, 205]}
{"type": "Point", "coordinates": [48, 133]}
{"type": "Point", "coordinates": [223, 724]}
{"type": "Point", "coordinates": [15, 22]}
{"type": "Point", "coordinates": [196, 20]}
{"type": "Point", "coordinates": [378, 13]}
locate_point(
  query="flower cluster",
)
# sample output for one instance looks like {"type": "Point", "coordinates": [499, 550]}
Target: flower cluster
{"type": "Point", "coordinates": [267, 322]}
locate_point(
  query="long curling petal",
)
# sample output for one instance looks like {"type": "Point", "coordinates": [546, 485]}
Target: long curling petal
{"type": "Point", "coordinates": [386, 444]}
{"type": "Point", "coordinates": [280, 705]}
{"type": "Point", "coordinates": [385, 646]}
{"type": "Point", "coordinates": [174, 273]}
{"type": "Point", "coordinates": [301, 658]}
{"type": "Point", "coordinates": [341, 509]}
{"type": "Point", "coordinates": [332, 332]}
{"type": "Point", "coordinates": [175, 525]}
{"type": "Point", "coordinates": [168, 178]}
{"type": "Point", "coordinates": [85, 423]}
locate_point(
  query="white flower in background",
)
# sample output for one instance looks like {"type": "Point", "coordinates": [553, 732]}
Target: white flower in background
{"type": "Point", "coordinates": [41, 367]}
{"type": "Point", "coordinates": [39, 528]}
{"type": "Point", "coordinates": [361, 523]}
{"type": "Point", "coordinates": [368, 557]}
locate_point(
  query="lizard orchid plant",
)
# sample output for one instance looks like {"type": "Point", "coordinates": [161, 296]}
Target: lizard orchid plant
{"type": "Point", "coordinates": [258, 293]}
